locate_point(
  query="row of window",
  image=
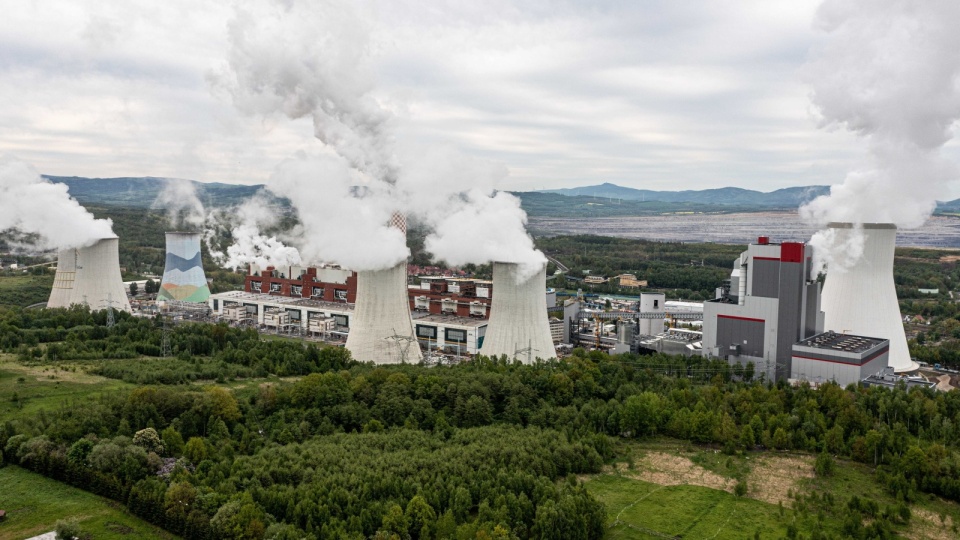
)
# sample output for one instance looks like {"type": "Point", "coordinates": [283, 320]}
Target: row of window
{"type": "Point", "coordinates": [454, 335]}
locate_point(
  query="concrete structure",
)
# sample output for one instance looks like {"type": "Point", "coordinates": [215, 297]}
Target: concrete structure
{"type": "Point", "coordinates": [673, 341]}
{"type": "Point", "coordinates": [518, 326]}
{"type": "Point", "coordinates": [450, 333]}
{"type": "Point", "coordinates": [90, 276]}
{"type": "Point", "coordinates": [863, 299]}
{"type": "Point", "coordinates": [654, 304]}
{"type": "Point", "coordinates": [383, 332]}
{"type": "Point", "coordinates": [463, 297]}
{"type": "Point", "coordinates": [769, 305]}
{"type": "Point", "coordinates": [183, 278]}
{"type": "Point", "coordinates": [842, 358]}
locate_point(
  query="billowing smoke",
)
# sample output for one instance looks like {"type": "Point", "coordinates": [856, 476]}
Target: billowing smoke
{"type": "Point", "coordinates": [35, 206]}
{"type": "Point", "coordinates": [179, 199]}
{"type": "Point", "coordinates": [250, 245]}
{"type": "Point", "coordinates": [313, 61]}
{"type": "Point", "coordinates": [889, 71]}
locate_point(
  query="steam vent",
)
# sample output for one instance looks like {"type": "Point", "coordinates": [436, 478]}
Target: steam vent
{"type": "Point", "coordinates": [183, 277]}
{"type": "Point", "coordinates": [863, 300]}
{"type": "Point", "coordinates": [518, 327]}
{"type": "Point", "coordinates": [381, 330]}
{"type": "Point", "coordinates": [91, 276]}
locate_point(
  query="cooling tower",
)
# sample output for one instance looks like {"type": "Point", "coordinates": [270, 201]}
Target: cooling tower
{"type": "Point", "coordinates": [381, 330]}
{"type": "Point", "coordinates": [183, 277]}
{"type": "Point", "coordinates": [518, 324]}
{"type": "Point", "coordinates": [95, 275]}
{"type": "Point", "coordinates": [863, 300]}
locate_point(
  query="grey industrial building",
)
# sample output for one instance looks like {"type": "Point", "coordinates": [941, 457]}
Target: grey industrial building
{"type": "Point", "coordinates": [769, 305]}
{"type": "Point", "coordinates": [841, 358]}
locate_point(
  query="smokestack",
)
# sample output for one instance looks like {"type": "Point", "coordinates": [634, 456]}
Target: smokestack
{"type": "Point", "coordinates": [518, 327]}
{"type": "Point", "coordinates": [91, 276]}
{"type": "Point", "coordinates": [183, 277]}
{"type": "Point", "coordinates": [381, 330]}
{"type": "Point", "coordinates": [863, 300]}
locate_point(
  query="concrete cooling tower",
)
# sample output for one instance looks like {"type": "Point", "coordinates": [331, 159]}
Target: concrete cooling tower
{"type": "Point", "coordinates": [863, 300]}
{"type": "Point", "coordinates": [91, 276]}
{"type": "Point", "coordinates": [518, 326]}
{"type": "Point", "coordinates": [381, 330]}
{"type": "Point", "coordinates": [183, 277]}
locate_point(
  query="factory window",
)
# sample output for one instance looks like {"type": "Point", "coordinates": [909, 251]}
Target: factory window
{"type": "Point", "coordinates": [340, 294]}
{"type": "Point", "coordinates": [317, 292]}
{"type": "Point", "coordinates": [428, 332]}
{"type": "Point", "coordinates": [216, 304]}
{"type": "Point", "coordinates": [454, 335]}
{"type": "Point", "coordinates": [342, 320]}
{"type": "Point", "coordinates": [275, 287]}
{"type": "Point", "coordinates": [256, 286]}
{"type": "Point", "coordinates": [656, 303]}
{"type": "Point", "coordinates": [296, 290]}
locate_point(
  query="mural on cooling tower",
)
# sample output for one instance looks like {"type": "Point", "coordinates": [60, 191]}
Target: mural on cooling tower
{"type": "Point", "coordinates": [183, 277]}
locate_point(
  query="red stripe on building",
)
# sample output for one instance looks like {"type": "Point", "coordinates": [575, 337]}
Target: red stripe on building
{"type": "Point", "coordinates": [766, 259]}
{"type": "Point", "coordinates": [734, 317]}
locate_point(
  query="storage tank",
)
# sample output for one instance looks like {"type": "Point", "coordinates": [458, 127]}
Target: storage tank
{"type": "Point", "coordinates": [863, 299]}
{"type": "Point", "coordinates": [518, 326]}
{"type": "Point", "coordinates": [381, 330]}
{"type": "Point", "coordinates": [183, 278]}
{"type": "Point", "coordinates": [96, 277]}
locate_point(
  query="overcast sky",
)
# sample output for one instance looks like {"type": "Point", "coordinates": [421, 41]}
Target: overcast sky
{"type": "Point", "coordinates": [647, 94]}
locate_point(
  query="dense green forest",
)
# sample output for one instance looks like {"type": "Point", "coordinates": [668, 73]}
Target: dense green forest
{"type": "Point", "coordinates": [485, 449]}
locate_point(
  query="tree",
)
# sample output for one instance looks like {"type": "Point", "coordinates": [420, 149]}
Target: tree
{"type": "Point", "coordinates": [149, 440]}
{"type": "Point", "coordinates": [395, 522]}
{"type": "Point", "coordinates": [133, 288]}
{"type": "Point", "coordinates": [420, 517]}
{"type": "Point", "coordinates": [640, 414]}
{"type": "Point", "coordinates": [68, 529]}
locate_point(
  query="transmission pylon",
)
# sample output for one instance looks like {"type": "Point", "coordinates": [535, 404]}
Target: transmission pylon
{"type": "Point", "coordinates": [165, 348]}
{"type": "Point", "coordinates": [111, 321]}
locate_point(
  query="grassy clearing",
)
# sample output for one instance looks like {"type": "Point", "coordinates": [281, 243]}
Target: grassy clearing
{"type": "Point", "coordinates": [34, 504]}
{"type": "Point", "coordinates": [24, 289]}
{"type": "Point", "coordinates": [27, 389]}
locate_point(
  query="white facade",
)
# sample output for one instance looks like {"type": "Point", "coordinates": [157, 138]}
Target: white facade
{"type": "Point", "coordinates": [518, 327]}
{"type": "Point", "coordinates": [863, 299]}
{"type": "Point", "coordinates": [652, 303]}
{"type": "Point", "coordinates": [91, 276]}
{"type": "Point", "coordinates": [382, 330]}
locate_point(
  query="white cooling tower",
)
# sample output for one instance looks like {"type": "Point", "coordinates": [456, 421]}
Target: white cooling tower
{"type": "Point", "coordinates": [183, 277]}
{"type": "Point", "coordinates": [863, 300]}
{"type": "Point", "coordinates": [96, 279]}
{"type": "Point", "coordinates": [381, 330]}
{"type": "Point", "coordinates": [518, 326]}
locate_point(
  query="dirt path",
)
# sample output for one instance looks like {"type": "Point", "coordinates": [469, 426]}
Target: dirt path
{"type": "Point", "coordinates": [774, 476]}
{"type": "Point", "coordinates": [669, 470]}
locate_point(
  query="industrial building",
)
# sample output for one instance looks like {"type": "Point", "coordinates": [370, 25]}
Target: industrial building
{"type": "Point", "coordinates": [841, 358]}
{"type": "Point", "coordinates": [519, 327]}
{"type": "Point", "coordinates": [863, 299]}
{"type": "Point", "coordinates": [90, 276]}
{"type": "Point", "coordinates": [324, 283]}
{"type": "Point", "coordinates": [183, 278]}
{"type": "Point", "coordinates": [463, 297]}
{"type": "Point", "coordinates": [769, 305]}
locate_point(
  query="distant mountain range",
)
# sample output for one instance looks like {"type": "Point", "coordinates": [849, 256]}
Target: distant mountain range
{"type": "Point", "coordinates": [142, 192]}
{"type": "Point", "coordinates": [727, 196]}
{"type": "Point", "coordinates": [587, 201]}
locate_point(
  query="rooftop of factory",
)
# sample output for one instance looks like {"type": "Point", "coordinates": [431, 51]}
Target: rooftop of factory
{"type": "Point", "coordinates": [420, 317]}
{"type": "Point", "coordinates": [241, 296]}
{"type": "Point", "coordinates": [888, 379]}
{"type": "Point", "coordinates": [831, 340]}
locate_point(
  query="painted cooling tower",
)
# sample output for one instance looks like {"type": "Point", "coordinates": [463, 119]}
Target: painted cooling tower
{"type": "Point", "coordinates": [183, 277]}
{"type": "Point", "coordinates": [96, 277]}
{"type": "Point", "coordinates": [518, 316]}
{"type": "Point", "coordinates": [863, 300]}
{"type": "Point", "coordinates": [381, 330]}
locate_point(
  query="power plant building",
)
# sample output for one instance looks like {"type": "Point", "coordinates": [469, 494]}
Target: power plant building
{"type": "Point", "coordinates": [841, 358]}
{"type": "Point", "coordinates": [90, 276]}
{"type": "Point", "coordinates": [862, 299]}
{"type": "Point", "coordinates": [769, 305]}
{"type": "Point", "coordinates": [183, 278]}
{"type": "Point", "coordinates": [518, 327]}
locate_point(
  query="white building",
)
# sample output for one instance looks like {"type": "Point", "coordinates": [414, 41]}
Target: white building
{"type": "Point", "coordinates": [518, 326]}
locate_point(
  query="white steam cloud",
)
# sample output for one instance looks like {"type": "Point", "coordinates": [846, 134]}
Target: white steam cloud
{"type": "Point", "coordinates": [250, 246]}
{"type": "Point", "coordinates": [312, 60]}
{"type": "Point", "coordinates": [31, 204]}
{"type": "Point", "coordinates": [888, 71]}
{"type": "Point", "coordinates": [179, 199]}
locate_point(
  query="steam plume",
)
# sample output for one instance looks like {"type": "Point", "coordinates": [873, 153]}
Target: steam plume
{"type": "Point", "coordinates": [33, 205]}
{"type": "Point", "coordinates": [179, 198]}
{"type": "Point", "coordinates": [246, 224]}
{"type": "Point", "coordinates": [888, 72]}
{"type": "Point", "coordinates": [294, 60]}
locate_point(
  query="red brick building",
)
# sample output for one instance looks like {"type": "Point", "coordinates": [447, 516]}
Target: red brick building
{"type": "Point", "coordinates": [329, 283]}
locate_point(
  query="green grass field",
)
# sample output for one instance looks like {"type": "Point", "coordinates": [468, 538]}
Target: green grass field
{"type": "Point", "coordinates": [34, 504]}
{"type": "Point", "coordinates": [27, 389]}
{"type": "Point", "coordinates": [24, 290]}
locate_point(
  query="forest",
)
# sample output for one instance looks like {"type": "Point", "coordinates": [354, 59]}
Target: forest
{"type": "Point", "coordinates": [484, 449]}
